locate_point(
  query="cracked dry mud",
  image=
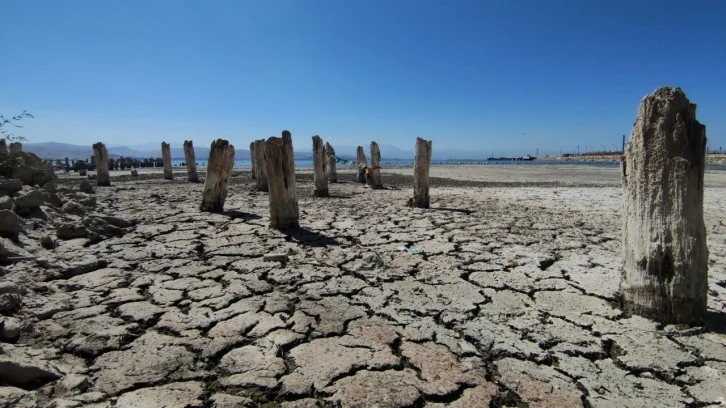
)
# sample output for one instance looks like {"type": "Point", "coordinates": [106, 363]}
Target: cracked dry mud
{"type": "Point", "coordinates": [511, 302]}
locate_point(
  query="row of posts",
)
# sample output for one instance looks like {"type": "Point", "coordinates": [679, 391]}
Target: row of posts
{"type": "Point", "coordinates": [665, 255]}
{"type": "Point", "coordinates": [103, 178]}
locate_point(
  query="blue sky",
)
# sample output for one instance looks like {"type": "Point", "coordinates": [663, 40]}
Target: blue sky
{"type": "Point", "coordinates": [470, 75]}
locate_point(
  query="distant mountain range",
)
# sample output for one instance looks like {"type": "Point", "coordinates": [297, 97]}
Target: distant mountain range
{"type": "Point", "coordinates": [54, 150]}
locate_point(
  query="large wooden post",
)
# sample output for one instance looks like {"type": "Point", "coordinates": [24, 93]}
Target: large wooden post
{"type": "Point", "coordinates": [665, 267]}
{"type": "Point", "coordinates": [362, 164]}
{"type": "Point", "coordinates": [166, 158]}
{"type": "Point", "coordinates": [100, 158]}
{"type": "Point", "coordinates": [252, 160]}
{"type": "Point", "coordinates": [191, 161]}
{"type": "Point", "coordinates": [421, 164]}
{"type": "Point", "coordinates": [219, 169]}
{"type": "Point", "coordinates": [332, 172]}
{"type": "Point", "coordinates": [260, 167]}
{"type": "Point", "coordinates": [280, 164]}
{"type": "Point", "coordinates": [375, 166]}
{"type": "Point", "coordinates": [319, 163]}
{"type": "Point", "coordinates": [16, 147]}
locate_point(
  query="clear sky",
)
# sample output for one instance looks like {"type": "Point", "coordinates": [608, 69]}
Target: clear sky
{"type": "Point", "coordinates": [487, 75]}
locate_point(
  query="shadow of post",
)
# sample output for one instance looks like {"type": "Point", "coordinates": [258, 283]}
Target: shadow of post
{"type": "Point", "coordinates": [310, 238]}
{"type": "Point", "coordinates": [235, 214]}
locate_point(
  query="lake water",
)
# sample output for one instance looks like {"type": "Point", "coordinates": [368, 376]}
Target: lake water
{"type": "Point", "coordinates": [404, 163]}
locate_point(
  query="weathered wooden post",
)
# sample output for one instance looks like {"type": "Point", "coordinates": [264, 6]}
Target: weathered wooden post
{"type": "Point", "coordinates": [166, 159]}
{"type": "Point", "coordinates": [319, 163]}
{"type": "Point", "coordinates": [280, 164]}
{"type": "Point", "coordinates": [260, 167]}
{"type": "Point", "coordinates": [16, 147]}
{"type": "Point", "coordinates": [332, 172]}
{"type": "Point", "coordinates": [422, 161]}
{"type": "Point", "coordinates": [664, 236]}
{"type": "Point", "coordinates": [219, 169]}
{"type": "Point", "coordinates": [100, 158]}
{"type": "Point", "coordinates": [252, 160]}
{"type": "Point", "coordinates": [3, 147]}
{"type": "Point", "coordinates": [190, 158]}
{"type": "Point", "coordinates": [375, 166]}
{"type": "Point", "coordinates": [362, 164]}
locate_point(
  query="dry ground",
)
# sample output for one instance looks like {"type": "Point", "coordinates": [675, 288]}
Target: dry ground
{"type": "Point", "coordinates": [511, 302]}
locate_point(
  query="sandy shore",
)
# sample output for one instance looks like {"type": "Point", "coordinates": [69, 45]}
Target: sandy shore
{"type": "Point", "coordinates": [512, 300]}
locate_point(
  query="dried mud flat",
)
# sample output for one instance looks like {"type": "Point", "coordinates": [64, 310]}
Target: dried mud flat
{"type": "Point", "coordinates": [512, 301]}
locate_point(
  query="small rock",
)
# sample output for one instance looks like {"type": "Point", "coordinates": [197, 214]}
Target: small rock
{"type": "Point", "coordinates": [10, 329]}
{"type": "Point", "coordinates": [70, 230]}
{"type": "Point", "coordinates": [34, 199]}
{"type": "Point", "coordinates": [48, 242]}
{"type": "Point", "coordinates": [20, 367]}
{"type": "Point", "coordinates": [11, 185]}
{"type": "Point", "coordinates": [73, 207]}
{"type": "Point", "coordinates": [100, 226]}
{"type": "Point", "coordinates": [6, 203]}
{"type": "Point", "coordinates": [11, 297]}
{"type": "Point", "coordinates": [8, 249]}
{"type": "Point", "coordinates": [134, 173]}
{"type": "Point", "coordinates": [82, 172]}
{"type": "Point", "coordinates": [72, 384]}
{"type": "Point", "coordinates": [86, 187]}
{"type": "Point", "coordinates": [10, 223]}
{"type": "Point", "coordinates": [50, 187]}
{"type": "Point", "coordinates": [275, 257]}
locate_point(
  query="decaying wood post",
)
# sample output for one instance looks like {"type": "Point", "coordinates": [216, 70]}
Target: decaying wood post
{"type": "Point", "coordinates": [252, 160]}
{"type": "Point", "coordinates": [16, 147]}
{"type": "Point", "coordinates": [166, 158]}
{"type": "Point", "coordinates": [421, 164]}
{"type": "Point", "coordinates": [362, 164]}
{"type": "Point", "coordinates": [3, 147]}
{"type": "Point", "coordinates": [100, 158]}
{"type": "Point", "coordinates": [280, 164]}
{"type": "Point", "coordinates": [320, 177]}
{"type": "Point", "coordinates": [332, 172]}
{"type": "Point", "coordinates": [260, 167]}
{"type": "Point", "coordinates": [191, 161]}
{"type": "Point", "coordinates": [375, 179]}
{"type": "Point", "coordinates": [219, 169]}
{"type": "Point", "coordinates": [665, 266]}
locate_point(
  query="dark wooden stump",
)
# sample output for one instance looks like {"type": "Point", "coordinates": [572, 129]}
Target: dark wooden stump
{"type": "Point", "coordinates": [260, 166]}
{"type": "Point", "coordinates": [190, 158]}
{"type": "Point", "coordinates": [280, 164]}
{"type": "Point", "coordinates": [219, 169]}
{"type": "Point", "coordinates": [320, 160]}
{"type": "Point", "coordinates": [100, 158]}
{"type": "Point", "coordinates": [421, 164]}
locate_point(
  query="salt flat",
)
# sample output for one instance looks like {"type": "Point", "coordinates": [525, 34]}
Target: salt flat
{"type": "Point", "coordinates": [512, 300]}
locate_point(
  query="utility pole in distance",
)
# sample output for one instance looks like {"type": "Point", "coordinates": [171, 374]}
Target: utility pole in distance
{"type": "Point", "coordinates": [623, 151]}
{"type": "Point", "coordinates": [578, 150]}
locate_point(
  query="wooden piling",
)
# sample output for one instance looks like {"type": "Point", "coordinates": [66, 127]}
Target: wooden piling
{"type": "Point", "coordinates": [421, 164]}
{"type": "Point", "coordinates": [332, 171]}
{"type": "Point", "coordinates": [362, 164]}
{"type": "Point", "coordinates": [280, 164]}
{"type": "Point", "coordinates": [100, 159]}
{"type": "Point", "coordinates": [16, 147]}
{"type": "Point", "coordinates": [190, 158]}
{"type": "Point", "coordinates": [665, 257]}
{"type": "Point", "coordinates": [252, 160]}
{"type": "Point", "coordinates": [219, 169]}
{"type": "Point", "coordinates": [260, 167]}
{"type": "Point", "coordinates": [375, 179]}
{"type": "Point", "coordinates": [166, 159]}
{"type": "Point", "coordinates": [320, 176]}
